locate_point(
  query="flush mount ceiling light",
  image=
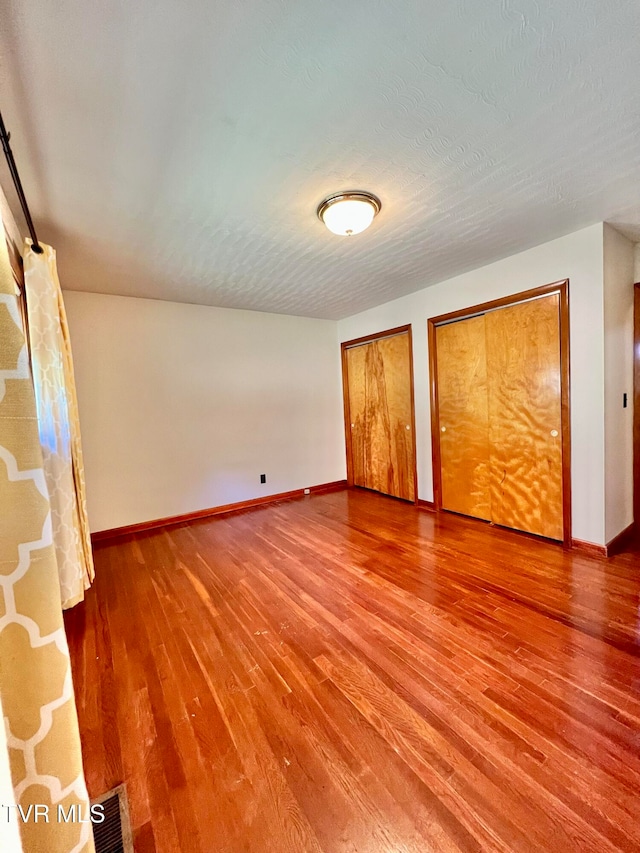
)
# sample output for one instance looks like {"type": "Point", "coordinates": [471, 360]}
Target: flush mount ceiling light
{"type": "Point", "coordinates": [346, 214]}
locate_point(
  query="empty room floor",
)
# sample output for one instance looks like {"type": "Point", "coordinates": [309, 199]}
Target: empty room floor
{"type": "Point", "coordinates": [349, 674]}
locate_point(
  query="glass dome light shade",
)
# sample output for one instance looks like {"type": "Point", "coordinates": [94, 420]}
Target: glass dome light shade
{"type": "Point", "coordinates": [346, 214]}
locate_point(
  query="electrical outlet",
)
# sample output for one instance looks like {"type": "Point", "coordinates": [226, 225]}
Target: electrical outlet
{"type": "Point", "coordinates": [263, 478]}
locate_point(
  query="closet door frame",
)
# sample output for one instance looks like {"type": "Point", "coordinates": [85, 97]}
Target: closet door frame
{"type": "Point", "coordinates": [367, 339]}
{"type": "Point", "coordinates": [562, 289]}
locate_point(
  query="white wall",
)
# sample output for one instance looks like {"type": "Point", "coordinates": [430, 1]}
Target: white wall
{"type": "Point", "coordinates": [578, 257]}
{"type": "Point", "coordinates": [8, 221]}
{"type": "Point", "coordinates": [618, 360]}
{"type": "Point", "coordinates": [182, 407]}
{"type": "Point", "coordinates": [636, 273]}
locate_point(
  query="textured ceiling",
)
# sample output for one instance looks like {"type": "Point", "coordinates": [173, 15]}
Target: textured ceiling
{"type": "Point", "coordinates": [178, 150]}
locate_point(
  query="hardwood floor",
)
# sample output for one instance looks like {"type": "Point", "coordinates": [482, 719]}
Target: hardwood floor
{"type": "Point", "coordinates": [349, 674]}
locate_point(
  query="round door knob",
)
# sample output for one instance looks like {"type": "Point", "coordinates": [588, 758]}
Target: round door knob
{"type": "Point", "coordinates": [352, 426]}
{"type": "Point", "coordinates": [554, 433]}
{"type": "Point", "coordinates": [443, 429]}
{"type": "Point", "coordinates": [408, 427]}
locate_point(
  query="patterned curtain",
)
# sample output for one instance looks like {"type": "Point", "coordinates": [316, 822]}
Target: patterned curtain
{"type": "Point", "coordinates": [58, 422]}
{"type": "Point", "coordinates": [9, 831]}
{"type": "Point", "coordinates": [35, 675]}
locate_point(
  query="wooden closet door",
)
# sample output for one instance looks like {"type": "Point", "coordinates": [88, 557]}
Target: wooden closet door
{"type": "Point", "coordinates": [356, 373]}
{"type": "Point", "coordinates": [464, 417]}
{"type": "Point", "coordinates": [392, 443]}
{"type": "Point", "coordinates": [525, 421]}
{"type": "Point", "coordinates": [381, 416]}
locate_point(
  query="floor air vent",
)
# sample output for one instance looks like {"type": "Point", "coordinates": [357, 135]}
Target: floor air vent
{"type": "Point", "coordinates": [113, 835]}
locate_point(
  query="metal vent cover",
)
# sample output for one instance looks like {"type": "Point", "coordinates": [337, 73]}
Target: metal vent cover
{"type": "Point", "coordinates": [113, 835]}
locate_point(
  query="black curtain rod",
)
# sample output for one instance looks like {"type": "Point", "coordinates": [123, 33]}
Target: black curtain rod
{"type": "Point", "coordinates": [8, 153]}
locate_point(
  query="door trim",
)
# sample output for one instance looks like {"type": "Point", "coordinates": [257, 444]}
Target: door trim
{"type": "Point", "coordinates": [562, 289]}
{"type": "Point", "coordinates": [366, 339]}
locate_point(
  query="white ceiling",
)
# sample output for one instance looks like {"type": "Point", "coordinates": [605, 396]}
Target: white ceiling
{"type": "Point", "coordinates": [178, 150]}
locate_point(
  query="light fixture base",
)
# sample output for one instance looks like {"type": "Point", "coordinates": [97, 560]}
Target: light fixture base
{"type": "Point", "coordinates": [353, 199]}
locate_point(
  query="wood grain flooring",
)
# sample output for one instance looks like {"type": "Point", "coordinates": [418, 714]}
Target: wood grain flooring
{"type": "Point", "coordinates": [349, 674]}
